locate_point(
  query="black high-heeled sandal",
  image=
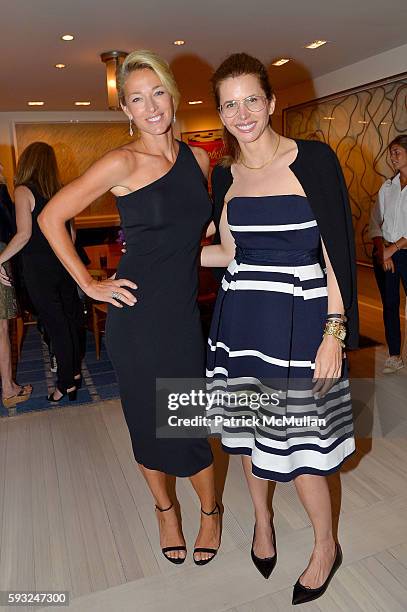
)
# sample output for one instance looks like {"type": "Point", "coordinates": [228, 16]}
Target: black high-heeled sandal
{"type": "Point", "coordinates": [71, 395]}
{"type": "Point", "coordinates": [267, 564]}
{"type": "Point", "coordinates": [78, 381]}
{"type": "Point", "coordinates": [303, 594]}
{"type": "Point", "coordinates": [212, 551]}
{"type": "Point", "coordinates": [168, 549]}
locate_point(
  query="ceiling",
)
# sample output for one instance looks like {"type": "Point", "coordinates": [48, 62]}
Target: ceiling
{"type": "Point", "coordinates": [30, 42]}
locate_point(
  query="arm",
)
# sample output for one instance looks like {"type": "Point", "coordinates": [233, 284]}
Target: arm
{"type": "Point", "coordinates": [73, 231]}
{"type": "Point", "coordinates": [328, 361]}
{"type": "Point", "coordinates": [220, 255]}
{"type": "Point", "coordinates": [110, 171]}
{"type": "Point", "coordinates": [375, 227]}
{"type": "Point", "coordinates": [389, 251]}
{"type": "Point", "coordinates": [211, 230]}
{"type": "Point", "coordinates": [24, 202]}
{"type": "Point", "coordinates": [203, 160]}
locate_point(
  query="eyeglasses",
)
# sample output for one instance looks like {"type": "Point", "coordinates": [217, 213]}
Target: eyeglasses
{"type": "Point", "coordinates": [253, 104]}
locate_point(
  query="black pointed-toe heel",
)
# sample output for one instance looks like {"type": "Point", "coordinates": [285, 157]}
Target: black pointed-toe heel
{"type": "Point", "coordinates": [303, 594]}
{"type": "Point", "coordinates": [168, 549]}
{"type": "Point", "coordinates": [266, 565]}
{"type": "Point", "coordinates": [212, 551]}
{"type": "Point", "coordinates": [71, 396]}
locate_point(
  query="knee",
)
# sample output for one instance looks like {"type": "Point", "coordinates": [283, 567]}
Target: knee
{"type": "Point", "coordinates": [3, 327]}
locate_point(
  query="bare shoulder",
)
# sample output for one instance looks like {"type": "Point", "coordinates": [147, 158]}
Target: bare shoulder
{"type": "Point", "coordinates": [22, 192]}
{"type": "Point", "coordinates": [120, 158]}
{"type": "Point", "coordinates": [117, 164]}
{"type": "Point", "coordinates": [202, 158]}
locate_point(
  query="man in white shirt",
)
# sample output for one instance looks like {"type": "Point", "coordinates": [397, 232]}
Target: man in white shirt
{"type": "Point", "coordinates": [388, 230]}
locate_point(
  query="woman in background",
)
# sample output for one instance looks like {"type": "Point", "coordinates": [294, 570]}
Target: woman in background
{"type": "Point", "coordinates": [388, 230]}
{"type": "Point", "coordinates": [11, 392]}
{"type": "Point", "coordinates": [50, 288]}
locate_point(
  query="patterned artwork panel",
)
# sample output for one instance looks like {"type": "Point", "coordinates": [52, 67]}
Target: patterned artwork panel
{"type": "Point", "coordinates": [358, 125]}
{"type": "Point", "coordinates": [77, 146]}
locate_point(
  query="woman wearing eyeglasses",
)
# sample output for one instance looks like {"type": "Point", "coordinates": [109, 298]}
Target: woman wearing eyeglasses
{"type": "Point", "coordinates": [281, 320]}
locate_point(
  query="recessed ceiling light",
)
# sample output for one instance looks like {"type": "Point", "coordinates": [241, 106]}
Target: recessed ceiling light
{"type": "Point", "coordinates": [67, 37]}
{"type": "Point", "coordinates": [281, 61]}
{"type": "Point", "coordinates": [82, 103]}
{"type": "Point", "coordinates": [195, 102]}
{"type": "Point", "coordinates": [329, 118]}
{"type": "Point", "coordinates": [360, 121]}
{"type": "Point", "coordinates": [60, 66]}
{"type": "Point", "coordinates": [36, 103]}
{"type": "Point", "coordinates": [315, 44]}
{"type": "Point", "coordinates": [179, 43]}
{"type": "Point", "coordinates": [383, 123]}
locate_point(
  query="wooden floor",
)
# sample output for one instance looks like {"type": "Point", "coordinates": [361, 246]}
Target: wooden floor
{"type": "Point", "coordinates": [75, 514]}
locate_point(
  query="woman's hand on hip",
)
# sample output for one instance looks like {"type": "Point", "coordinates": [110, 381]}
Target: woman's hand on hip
{"type": "Point", "coordinates": [328, 365]}
{"type": "Point", "coordinates": [112, 291]}
{"type": "Point", "coordinates": [4, 277]}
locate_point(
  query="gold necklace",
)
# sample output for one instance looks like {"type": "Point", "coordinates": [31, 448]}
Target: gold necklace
{"type": "Point", "coordinates": [267, 162]}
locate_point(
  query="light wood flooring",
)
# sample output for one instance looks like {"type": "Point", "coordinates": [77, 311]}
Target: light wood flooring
{"type": "Point", "coordinates": [76, 515]}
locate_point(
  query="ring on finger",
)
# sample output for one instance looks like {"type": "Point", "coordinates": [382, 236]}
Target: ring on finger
{"type": "Point", "coordinates": [116, 295]}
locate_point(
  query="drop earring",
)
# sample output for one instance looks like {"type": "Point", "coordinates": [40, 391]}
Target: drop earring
{"type": "Point", "coordinates": [174, 118]}
{"type": "Point", "coordinates": [130, 127]}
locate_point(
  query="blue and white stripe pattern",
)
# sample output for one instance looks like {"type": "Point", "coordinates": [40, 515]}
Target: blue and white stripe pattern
{"type": "Point", "coordinates": [265, 333]}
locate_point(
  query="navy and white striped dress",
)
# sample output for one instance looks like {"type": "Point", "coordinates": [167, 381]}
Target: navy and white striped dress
{"type": "Point", "coordinates": [266, 329]}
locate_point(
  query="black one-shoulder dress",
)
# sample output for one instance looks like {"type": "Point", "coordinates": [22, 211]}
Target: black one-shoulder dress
{"type": "Point", "coordinates": [161, 336]}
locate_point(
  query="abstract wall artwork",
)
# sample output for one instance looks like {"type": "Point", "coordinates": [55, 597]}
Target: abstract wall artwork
{"type": "Point", "coordinates": [77, 146]}
{"type": "Point", "coordinates": [358, 125]}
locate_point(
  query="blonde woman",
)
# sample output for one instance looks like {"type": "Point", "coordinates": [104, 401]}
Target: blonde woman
{"type": "Point", "coordinates": [153, 326]}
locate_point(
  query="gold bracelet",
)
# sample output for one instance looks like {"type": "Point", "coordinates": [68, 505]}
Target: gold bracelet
{"type": "Point", "coordinates": [336, 329]}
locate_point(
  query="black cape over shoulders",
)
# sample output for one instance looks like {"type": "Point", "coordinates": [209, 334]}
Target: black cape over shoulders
{"type": "Point", "coordinates": [318, 170]}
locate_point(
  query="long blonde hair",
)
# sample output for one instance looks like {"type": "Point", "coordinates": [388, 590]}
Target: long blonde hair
{"type": "Point", "coordinates": [37, 166]}
{"type": "Point", "coordinates": [141, 59]}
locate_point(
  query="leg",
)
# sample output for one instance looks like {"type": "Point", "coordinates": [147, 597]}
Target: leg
{"type": "Point", "coordinates": [401, 262]}
{"type": "Point", "coordinates": [402, 268]}
{"type": "Point", "coordinates": [96, 332]}
{"type": "Point", "coordinates": [8, 386]}
{"type": "Point", "coordinates": [314, 495]}
{"type": "Point", "coordinates": [263, 545]}
{"type": "Point", "coordinates": [170, 533]}
{"type": "Point", "coordinates": [389, 287]}
{"type": "Point", "coordinates": [72, 307]}
{"type": "Point", "coordinates": [209, 532]}
{"type": "Point", "coordinates": [43, 292]}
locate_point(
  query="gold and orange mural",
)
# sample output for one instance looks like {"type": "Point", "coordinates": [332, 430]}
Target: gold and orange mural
{"type": "Point", "coordinates": [358, 125]}
{"type": "Point", "coordinates": [77, 146]}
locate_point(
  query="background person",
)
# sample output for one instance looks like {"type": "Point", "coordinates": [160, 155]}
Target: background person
{"type": "Point", "coordinates": [50, 288]}
{"type": "Point", "coordinates": [11, 392]}
{"type": "Point", "coordinates": [388, 230]}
